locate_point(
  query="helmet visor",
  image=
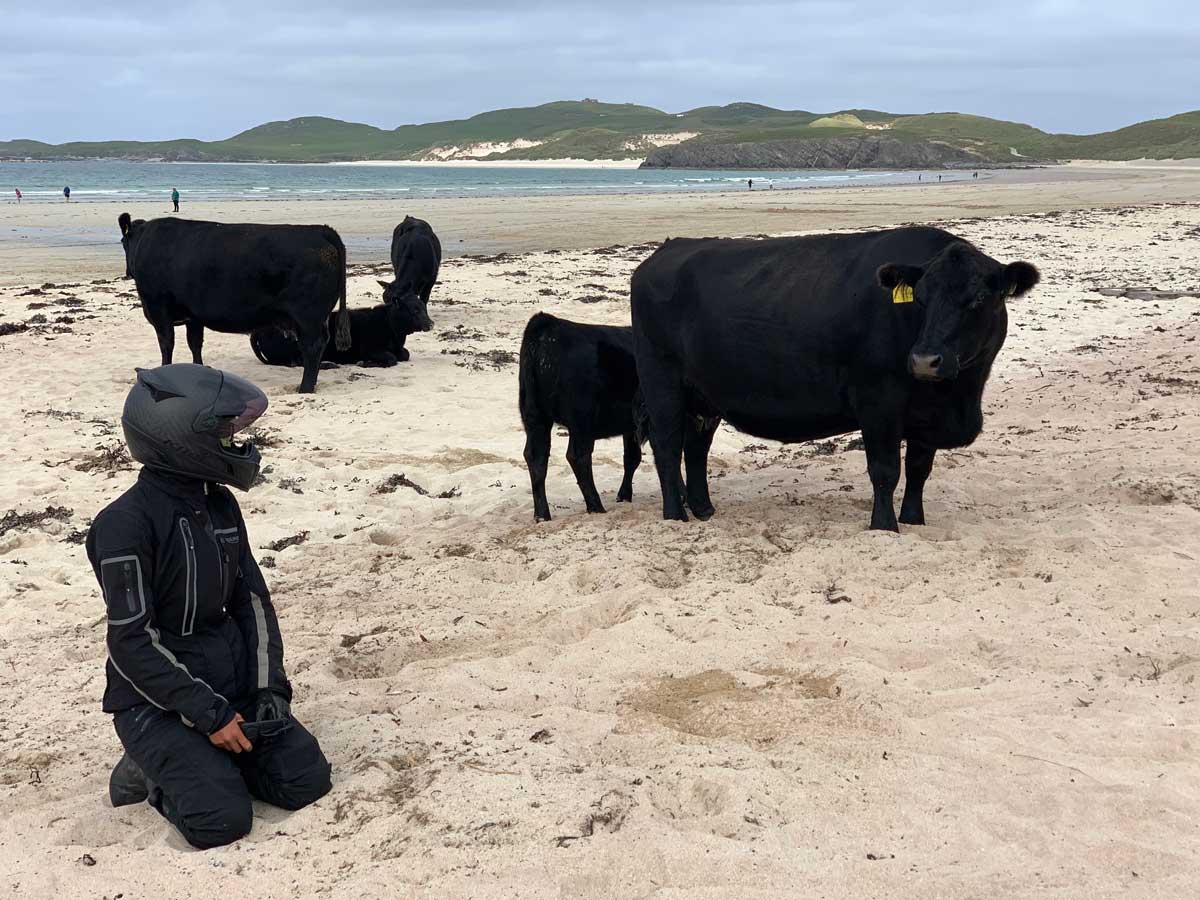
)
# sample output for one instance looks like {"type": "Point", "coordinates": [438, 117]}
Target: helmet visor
{"type": "Point", "coordinates": [238, 405]}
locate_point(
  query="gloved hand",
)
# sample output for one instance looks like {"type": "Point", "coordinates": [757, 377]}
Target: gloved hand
{"type": "Point", "coordinates": [269, 704]}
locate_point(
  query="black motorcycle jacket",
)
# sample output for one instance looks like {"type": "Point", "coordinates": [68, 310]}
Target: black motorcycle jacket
{"type": "Point", "coordinates": [191, 627]}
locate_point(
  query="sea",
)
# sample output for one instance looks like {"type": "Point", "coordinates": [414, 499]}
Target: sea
{"type": "Point", "coordinates": [108, 180]}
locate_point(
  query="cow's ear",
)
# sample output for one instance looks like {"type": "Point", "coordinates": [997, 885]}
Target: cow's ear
{"type": "Point", "coordinates": [383, 284]}
{"type": "Point", "coordinates": [893, 275]}
{"type": "Point", "coordinates": [123, 221]}
{"type": "Point", "coordinates": [1019, 278]}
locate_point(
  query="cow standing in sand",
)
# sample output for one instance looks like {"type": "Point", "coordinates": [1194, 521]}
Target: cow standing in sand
{"type": "Point", "coordinates": [889, 332]}
{"type": "Point", "coordinates": [584, 378]}
{"type": "Point", "coordinates": [416, 258]}
{"type": "Point", "coordinates": [238, 278]}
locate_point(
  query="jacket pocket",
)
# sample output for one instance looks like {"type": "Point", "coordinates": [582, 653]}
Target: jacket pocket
{"type": "Point", "coordinates": [227, 540]}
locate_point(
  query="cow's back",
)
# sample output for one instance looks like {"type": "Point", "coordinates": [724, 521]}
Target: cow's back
{"type": "Point", "coordinates": [765, 328]}
{"type": "Point", "coordinates": [239, 277]}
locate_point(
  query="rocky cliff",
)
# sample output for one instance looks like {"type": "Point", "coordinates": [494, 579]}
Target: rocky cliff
{"type": "Point", "coordinates": [865, 152]}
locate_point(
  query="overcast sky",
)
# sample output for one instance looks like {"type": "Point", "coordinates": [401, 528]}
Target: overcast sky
{"type": "Point", "coordinates": [146, 69]}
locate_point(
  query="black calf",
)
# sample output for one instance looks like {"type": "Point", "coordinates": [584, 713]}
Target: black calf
{"type": "Point", "coordinates": [377, 337]}
{"type": "Point", "coordinates": [584, 378]}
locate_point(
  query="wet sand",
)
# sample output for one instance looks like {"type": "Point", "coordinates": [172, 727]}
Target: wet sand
{"type": "Point", "coordinates": [60, 241]}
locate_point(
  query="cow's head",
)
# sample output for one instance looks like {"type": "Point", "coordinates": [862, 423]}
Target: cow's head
{"type": "Point", "coordinates": [962, 293]}
{"type": "Point", "coordinates": [406, 313]}
{"type": "Point", "coordinates": [131, 230]}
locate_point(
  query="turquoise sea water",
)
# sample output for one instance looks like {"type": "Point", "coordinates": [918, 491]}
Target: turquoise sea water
{"type": "Point", "coordinates": [108, 180]}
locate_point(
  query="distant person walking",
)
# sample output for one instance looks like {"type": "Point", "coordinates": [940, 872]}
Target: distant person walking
{"type": "Point", "coordinates": [18, 190]}
{"type": "Point", "coordinates": [974, 174]}
{"type": "Point", "coordinates": [175, 198]}
{"type": "Point", "coordinates": [750, 183]}
{"type": "Point", "coordinates": [67, 193]}
{"type": "Point", "coordinates": [939, 179]}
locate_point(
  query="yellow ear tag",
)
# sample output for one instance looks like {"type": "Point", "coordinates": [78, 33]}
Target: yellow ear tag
{"type": "Point", "coordinates": [902, 293]}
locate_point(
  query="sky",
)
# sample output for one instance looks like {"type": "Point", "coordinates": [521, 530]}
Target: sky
{"type": "Point", "coordinates": [148, 70]}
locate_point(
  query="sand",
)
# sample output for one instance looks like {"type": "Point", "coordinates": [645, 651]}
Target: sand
{"type": "Point", "coordinates": [775, 703]}
{"type": "Point", "coordinates": [71, 242]}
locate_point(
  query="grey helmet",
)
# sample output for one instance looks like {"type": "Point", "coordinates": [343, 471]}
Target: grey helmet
{"type": "Point", "coordinates": [182, 419]}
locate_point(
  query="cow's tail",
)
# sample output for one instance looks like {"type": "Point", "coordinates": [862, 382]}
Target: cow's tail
{"type": "Point", "coordinates": [537, 375]}
{"type": "Point", "coordinates": [342, 332]}
{"type": "Point", "coordinates": [641, 417]}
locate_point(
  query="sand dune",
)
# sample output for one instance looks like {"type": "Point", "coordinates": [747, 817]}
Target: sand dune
{"type": "Point", "coordinates": [775, 703]}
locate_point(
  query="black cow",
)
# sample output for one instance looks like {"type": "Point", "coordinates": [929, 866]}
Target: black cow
{"type": "Point", "coordinates": [416, 257]}
{"type": "Point", "coordinates": [582, 377]}
{"type": "Point", "coordinates": [377, 337]}
{"type": "Point", "coordinates": [238, 278]}
{"type": "Point", "coordinates": [891, 332]}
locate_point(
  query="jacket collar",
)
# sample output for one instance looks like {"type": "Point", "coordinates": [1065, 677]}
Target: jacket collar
{"type": "Point", "coordinates": [194, 490]}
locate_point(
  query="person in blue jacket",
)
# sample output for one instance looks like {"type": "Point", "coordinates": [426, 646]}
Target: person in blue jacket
{"type": "Point", "coordinates": [196, 681]}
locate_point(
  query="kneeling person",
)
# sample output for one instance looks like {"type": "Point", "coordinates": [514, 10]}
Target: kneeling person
{"type": "Point", "coordinates": [194, 649]}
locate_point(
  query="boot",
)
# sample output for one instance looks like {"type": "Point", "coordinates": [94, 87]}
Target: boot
{"type": "Point", "coordinates": [127, 784]}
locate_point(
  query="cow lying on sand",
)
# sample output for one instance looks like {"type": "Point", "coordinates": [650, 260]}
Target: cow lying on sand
{"type": "Point", "coordinates": [416, 258]}
{"type": "Point", "coordinates": [377, 337]}
{"type": "Point", "coordinates": [239, 278]}
{"type": "Point", "coordinates": [582, 377]}
{"type": "Point", "coordinates": [889, 332]}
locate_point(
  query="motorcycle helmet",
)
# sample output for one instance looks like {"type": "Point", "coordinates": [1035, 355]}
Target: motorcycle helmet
{"type": "Point", "coordinates": [182, 419]}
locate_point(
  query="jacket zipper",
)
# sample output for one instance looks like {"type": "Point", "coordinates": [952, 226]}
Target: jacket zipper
{"type": "Point", "coordinates": [222, 560]}
{"type": "Point", "coordinates": [189, 591]}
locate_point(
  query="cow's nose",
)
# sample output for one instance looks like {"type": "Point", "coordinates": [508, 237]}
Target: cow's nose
{"type": "Point", "coordinates": [925, 365]}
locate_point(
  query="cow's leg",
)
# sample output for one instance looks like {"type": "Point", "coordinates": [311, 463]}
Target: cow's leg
{"type": "Point", "coordinates": [195, 339]}
{"type": "Point", "coordinates": [164, 328]}
{"type": "Point", "coordinates": [633, 459]}
{"type": "Point", "coordinates": [400, 350]}
{"type": "Point", "coordinates": [918, 463]}
{"type": "Point", "coordinates": [166, 341]}
{"type": "Point", "coordinates": [385, 359]}
{"type": "Point", "coordinates": [312, 346]}
{"type": "Point", "coordinates": [881, 439]}
{"type": "Point", "coordinates": [579, 455]}
{"type": "Point", "coordinates": [537, 459]}
{"type": "Point", "coordinates": [663, 393]}
{"type": "Point", "coordinates": [697, 439]}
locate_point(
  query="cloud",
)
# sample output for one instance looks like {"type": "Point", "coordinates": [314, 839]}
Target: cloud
{"type": "Point", "coordinates": [152, 71]}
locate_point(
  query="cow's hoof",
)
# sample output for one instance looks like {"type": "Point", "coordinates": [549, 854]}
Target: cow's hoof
{"type": "Point", "coordinates": [306, 390]}
{"type": "Point", "coordinates": [597, 509]}
{"type": "Point", "coordinates": [886, 527]}
{"type": "Point", "coordinates": [704, 513]}
{"type": "Point", "coordinates": [912, 520]}
{"type": "Point", "coordinates": [624, 498]}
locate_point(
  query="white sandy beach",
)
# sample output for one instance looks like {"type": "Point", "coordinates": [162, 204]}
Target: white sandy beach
{"type": "Point", "coordinates": [775, 703]}
{"type": "Point", "coordinates": [80, 241]}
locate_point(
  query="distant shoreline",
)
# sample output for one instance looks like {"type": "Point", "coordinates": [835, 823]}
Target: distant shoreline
{"type": "Point", "coordinates": [569, 163]}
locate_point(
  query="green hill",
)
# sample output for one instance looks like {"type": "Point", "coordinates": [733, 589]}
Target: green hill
{"type": "Point", "coordinates": [589, 129]}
